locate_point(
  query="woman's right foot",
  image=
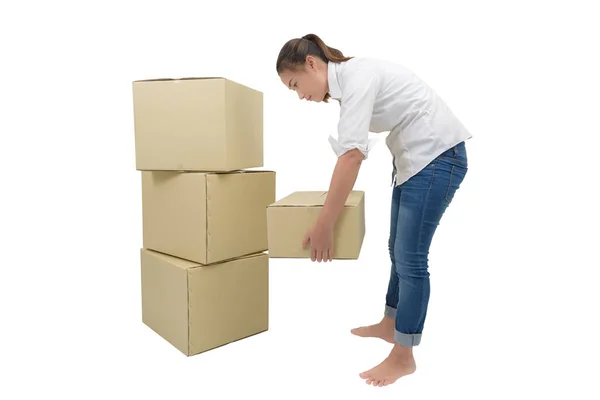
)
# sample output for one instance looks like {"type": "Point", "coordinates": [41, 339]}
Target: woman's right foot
{"type": "Point", "coordinates": [383, 330]}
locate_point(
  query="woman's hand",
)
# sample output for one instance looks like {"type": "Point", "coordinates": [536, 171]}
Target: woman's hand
{"type": "Point", "coordinates": [320, 235]}
{"type": "Point", "coordinates": [320, 238]}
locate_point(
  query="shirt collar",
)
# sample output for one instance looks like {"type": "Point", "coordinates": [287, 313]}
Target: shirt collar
{"type": "Point", "coordinates": [334, 87]}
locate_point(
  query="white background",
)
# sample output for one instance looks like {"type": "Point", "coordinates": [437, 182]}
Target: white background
{"type": "Point", "coordinates": [514, 264]}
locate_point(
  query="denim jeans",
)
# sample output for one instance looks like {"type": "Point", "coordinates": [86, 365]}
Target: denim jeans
{"type": "Point", "coordinates": [417, 208]}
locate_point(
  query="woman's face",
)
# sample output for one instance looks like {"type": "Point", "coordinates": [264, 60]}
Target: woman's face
{"type": "Point", "coordinates": [309, 81]}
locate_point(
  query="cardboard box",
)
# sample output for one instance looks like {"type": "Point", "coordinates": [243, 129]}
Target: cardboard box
{"type": "Point", "coordinates": [198, 308]}
{"type": "Point", "coordinates": [197, 124]}
{"type": "Point", "coordinates": [206, 217]}
{"type": "Point", "coordinates": [290, 218]}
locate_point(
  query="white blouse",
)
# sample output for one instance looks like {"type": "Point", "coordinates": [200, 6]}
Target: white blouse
{"type": "Point", "coordinates": [379, 96]}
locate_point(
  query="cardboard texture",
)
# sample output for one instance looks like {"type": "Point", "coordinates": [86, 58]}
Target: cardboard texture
{"type": "Point", "coordinates": [197, 308]}
{"type": "Point", "coordinates": [197, 124]}
{"type": "Point", "coordinates": [206, 217]}
{"type": "Point", "coordinates": [289, 218]}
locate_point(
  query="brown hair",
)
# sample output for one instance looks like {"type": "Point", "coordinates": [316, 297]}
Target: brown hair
{"type": "Point", "coordinates": [293, 54]}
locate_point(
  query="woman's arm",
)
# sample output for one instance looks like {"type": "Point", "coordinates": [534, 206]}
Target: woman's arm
{"type": "Point", "coordinates": [320, 236]}
{"type": "Point", "coordinates": [355, 117]}
{"type": "Point", "coordinates": [342, 182]}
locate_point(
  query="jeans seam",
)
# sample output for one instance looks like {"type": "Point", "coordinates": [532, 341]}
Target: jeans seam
{"type": "Point", "coordinates": [449, 185]}
{"type": "Point", "coordinates": [421, 229]}
{"type": "Point", "coordinates": [392, 243]}
{"type": "Point", "coordinates": [432, 177]}
{"type": "Point", "coordinates": [454, 161]}
{"type": "Point", "coordinates": [394, 224]}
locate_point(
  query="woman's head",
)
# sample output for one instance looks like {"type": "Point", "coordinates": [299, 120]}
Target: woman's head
{"type": "Point", "coordinates": [302, 66]}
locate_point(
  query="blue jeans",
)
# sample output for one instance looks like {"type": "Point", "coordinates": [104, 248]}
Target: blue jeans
{"type": "Point", "coordinates": [417, 208]}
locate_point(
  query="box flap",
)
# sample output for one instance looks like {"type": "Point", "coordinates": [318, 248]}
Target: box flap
{"type": "Point", "coordinates": [174, 261]}
{"type": "Point", "coordinates": [236, 171]}
{"type": "Point", "coordinates": [315, 198]}
{"type": "Point", "coordinates": [228, 260]}
{"type": "Point", "coordinates": [180, 79]}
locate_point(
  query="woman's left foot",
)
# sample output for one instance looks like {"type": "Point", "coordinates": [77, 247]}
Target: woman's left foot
{"type": "Point", "coordinates": [399, 363]}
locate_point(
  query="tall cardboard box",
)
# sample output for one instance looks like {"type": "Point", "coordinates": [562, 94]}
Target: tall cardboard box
{"type": "Point", "coordinates": [198, 308]}
{"type": "Point", "coordinates": [206, 217]}
{"type": "Point", "coordinates": [197, 124]}
{"type": "Point", "coordinates": [289, 218]}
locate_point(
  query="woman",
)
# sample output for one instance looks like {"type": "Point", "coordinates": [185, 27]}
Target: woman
{"type": "Point", "coordinates": [429, 163]}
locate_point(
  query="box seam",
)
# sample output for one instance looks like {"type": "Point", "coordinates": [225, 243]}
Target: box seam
{"type": "Point", "coordinates": [207, 213]}
{"type": "Point", "coordinates": [189, 319]}
{"type": "Point", "coordinates": [304, 206]}
{"type": "Point", "coordinates": [226, 131]}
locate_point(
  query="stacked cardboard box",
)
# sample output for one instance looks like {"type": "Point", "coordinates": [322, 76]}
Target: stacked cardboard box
{"type": "Point", "coordinates": [204, 268]}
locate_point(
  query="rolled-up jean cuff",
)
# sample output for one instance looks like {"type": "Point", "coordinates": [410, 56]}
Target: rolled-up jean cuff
{"type": "Point", "coordinates": [389, 311]}
{"type": "Point", "coordinates": [407, 340]}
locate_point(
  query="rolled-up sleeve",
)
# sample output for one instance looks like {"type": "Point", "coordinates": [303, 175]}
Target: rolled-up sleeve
{"type": "Point", "coordinates": [356, 111]}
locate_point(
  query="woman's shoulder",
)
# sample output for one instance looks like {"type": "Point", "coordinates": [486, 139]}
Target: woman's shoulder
{"type": "Point", "coordinates": [372, 66]}
{"type": "Point", "coordinates": [361, 61]}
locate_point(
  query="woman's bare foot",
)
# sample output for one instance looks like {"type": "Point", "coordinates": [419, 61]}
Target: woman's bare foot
{"type": "Point", "coordinates": [383, 330]}
{"type": "Point", "coordinates": [399, 363]}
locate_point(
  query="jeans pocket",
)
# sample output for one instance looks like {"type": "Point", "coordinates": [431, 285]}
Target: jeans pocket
{"type": "Point", "coordinates": [457, 174]}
